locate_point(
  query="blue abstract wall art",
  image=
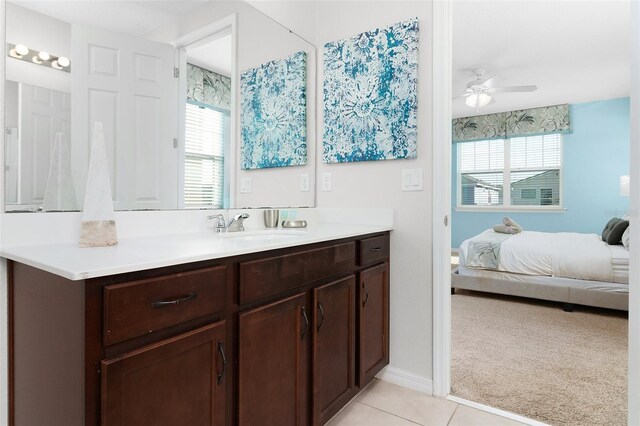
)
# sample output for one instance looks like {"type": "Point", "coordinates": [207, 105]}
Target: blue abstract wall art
{"type": "Point", "coordinates": [370, 95]}
{"type": "Point", "coordinates": [273, 114]}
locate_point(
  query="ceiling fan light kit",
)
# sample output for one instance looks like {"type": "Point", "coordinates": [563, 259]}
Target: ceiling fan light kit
{"type": "Point", "coordinates": [478, 92]}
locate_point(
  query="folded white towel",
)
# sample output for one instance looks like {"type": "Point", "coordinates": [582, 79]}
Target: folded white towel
{"type": "Point", "coordinates": [512, 223]}
{"type": "Point", "coordinates": [505, 229]}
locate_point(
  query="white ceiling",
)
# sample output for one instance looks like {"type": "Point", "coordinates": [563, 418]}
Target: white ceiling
{"type": "Point", "coordinates": [214, 55]}
{"type": "Point", "coordinates": [574, 51]}
{"type": "Point", "coordinates": [124, 16]}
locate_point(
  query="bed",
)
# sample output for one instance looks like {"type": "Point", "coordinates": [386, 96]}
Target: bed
{"type": "Point", "coordinates": [565, 267]}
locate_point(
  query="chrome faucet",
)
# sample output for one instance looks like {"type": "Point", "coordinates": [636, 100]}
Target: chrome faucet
{"type": "Point", "coordinates": [220, 225]}
{"type": "Point", "coordinates": [236, 224]}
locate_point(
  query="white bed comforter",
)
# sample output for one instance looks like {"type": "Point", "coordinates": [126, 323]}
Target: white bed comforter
{"type": "Point", "coordinates": [561, 254]}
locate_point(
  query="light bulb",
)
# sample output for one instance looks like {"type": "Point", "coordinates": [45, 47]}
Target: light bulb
{"type": "Point", "coordinates": [21, 49]}
{"type": "Point", "coordinates": [36, 60]}
{"type": "Point", "coordinates": [63, 61]}
{"type": "Point", "coordinates": [54, 64]}
{"type": "Point", "coordinates": [481, 100]}
{"type": "Point", "coordinates": [44, 56]}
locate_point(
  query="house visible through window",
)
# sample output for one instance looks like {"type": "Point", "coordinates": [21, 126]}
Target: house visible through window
{"type": "Point", "coordinates": [205, 134]}
{"type": "Point", "coordinates": [530, 167]}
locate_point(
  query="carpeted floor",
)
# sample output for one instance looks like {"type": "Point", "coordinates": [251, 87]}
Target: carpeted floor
{"type": "Point", "coordinates": [533, 359]}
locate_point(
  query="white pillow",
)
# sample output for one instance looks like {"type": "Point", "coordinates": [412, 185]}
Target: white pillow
{"type": "Point", "coordinates": [625, 238]}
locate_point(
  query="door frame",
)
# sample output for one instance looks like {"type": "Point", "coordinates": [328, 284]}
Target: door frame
{"type": "Point", "coordinates": [441, 190]}
{"type": "Point", "coordinates": [209, 32]}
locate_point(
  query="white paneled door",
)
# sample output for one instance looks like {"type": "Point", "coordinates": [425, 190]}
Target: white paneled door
{"type": "Point", "coordinates": [128, 84]}
{"type": "Point", "coordinates": [43, 113]}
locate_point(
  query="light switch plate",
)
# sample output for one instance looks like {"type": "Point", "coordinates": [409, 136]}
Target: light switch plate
{"type": "Point", "coordinates": [326, 182]}
{"type": "Point", "coordinates": [304, 182]}
{"type": "Point", "coordinates": [412, 180]}
{"type": "Point", "coordinates": [245, 185]}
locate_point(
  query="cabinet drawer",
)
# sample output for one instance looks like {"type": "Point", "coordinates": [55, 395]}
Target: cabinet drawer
{"type": "Point", "coordinates": [374, 250]}
{"type": "Point", "coordinates": [267, 277]}
{"type": "Point", "coordinates": [136, 308]}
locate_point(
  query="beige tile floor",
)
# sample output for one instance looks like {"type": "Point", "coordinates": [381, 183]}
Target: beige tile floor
{"type": "Point", "coordinates": [386, 404]}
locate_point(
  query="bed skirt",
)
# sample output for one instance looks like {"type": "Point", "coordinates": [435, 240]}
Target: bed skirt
{"type": "Point", "coordinates": [552, 292]}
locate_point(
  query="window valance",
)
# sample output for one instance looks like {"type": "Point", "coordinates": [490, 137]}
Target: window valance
{"type": "Point", "coordinates": [208, 87]}
{"type": "Point", "coordinates": [502, 125]}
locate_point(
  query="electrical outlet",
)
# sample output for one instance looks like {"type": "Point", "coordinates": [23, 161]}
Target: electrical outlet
{"type": "Point", "coordinates": [245, 185]}
{"type": "Point", "coordinates": [304, 182]}
{"type": "Point", "coordinates": [326, 182]}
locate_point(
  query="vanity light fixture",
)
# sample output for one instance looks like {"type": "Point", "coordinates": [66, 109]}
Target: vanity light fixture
{"type": "Point", "coordinates": [23, 53]}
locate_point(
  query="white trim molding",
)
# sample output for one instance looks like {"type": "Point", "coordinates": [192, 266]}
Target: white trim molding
{"type": "Point", "coordinates": [496, 411]}
{"type": "Point", "coordinates": [406, 379]}
{"type": "Point", "coordinates": [634, 261]}
{"type": "Point", "coordinates": [441, 190]}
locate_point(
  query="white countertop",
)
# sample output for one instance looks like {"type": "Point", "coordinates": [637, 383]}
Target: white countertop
{"type": "Point", "coordinates": [135, 254]}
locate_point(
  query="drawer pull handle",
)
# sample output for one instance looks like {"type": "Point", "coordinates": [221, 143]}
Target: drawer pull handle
{"type": "Point", "coordinates": [163, 303]}
{"type": "Point", "coordinates": [375, 249]}
{"type": "Point", "coordinates": [306, 323]}
{"type": "Point", "coordinates": [366, 294]}
{"type": "Point", "coordinates": [224, 361]}
{"type": "Point", "coordinates": [322, 317]}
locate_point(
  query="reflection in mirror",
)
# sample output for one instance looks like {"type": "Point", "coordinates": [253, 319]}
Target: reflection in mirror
{"type": "Point", "coordinates": [164, 83]}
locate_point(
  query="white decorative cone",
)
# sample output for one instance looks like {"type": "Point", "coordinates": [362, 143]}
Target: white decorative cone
{"type": "Point", "coordinates": [60, 193]}
{"type": "Point", "coordinates": [98, 221]}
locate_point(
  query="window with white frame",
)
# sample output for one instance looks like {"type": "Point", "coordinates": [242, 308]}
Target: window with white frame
{"type": "Point", "coordinates": [205, 134]}
{"type": "Point", "coordinates": [530, 167]}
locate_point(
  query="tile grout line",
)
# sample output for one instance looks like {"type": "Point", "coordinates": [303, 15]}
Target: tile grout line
{"type": "Point", "coordinates": [385, 411]}
{"type": "Point", "coordinates": [453, 414]}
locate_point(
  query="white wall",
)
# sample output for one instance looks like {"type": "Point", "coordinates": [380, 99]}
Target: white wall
{"type": "Point", "coordinates": [378, 184]}
{"type": "Point", "coordinates": [298, 16]}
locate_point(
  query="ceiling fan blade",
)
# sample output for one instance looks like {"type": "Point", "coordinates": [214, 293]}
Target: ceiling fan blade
{"type": "Point", "coordinates": [513, 89]}
{"type": "Point", "coordinates": [488, 82]}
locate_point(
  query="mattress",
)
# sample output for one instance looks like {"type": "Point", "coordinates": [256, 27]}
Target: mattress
{"type": "Point", "coordinates": [545, 280]}
{"type": "Point", "coordinates": [561, 255]}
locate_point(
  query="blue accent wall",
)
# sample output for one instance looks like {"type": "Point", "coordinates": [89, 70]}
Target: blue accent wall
{"type": "Point", "coordinates": [595, 155]}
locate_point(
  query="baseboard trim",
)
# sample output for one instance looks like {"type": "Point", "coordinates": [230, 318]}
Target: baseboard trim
{"type": "Point", "coordinates": [406, 379]}
{"type": "Point", "coordinates": [496, 411]}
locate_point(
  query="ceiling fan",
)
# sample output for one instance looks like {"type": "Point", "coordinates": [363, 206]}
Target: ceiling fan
{"type": "Point", "coordinates": [479, 91]}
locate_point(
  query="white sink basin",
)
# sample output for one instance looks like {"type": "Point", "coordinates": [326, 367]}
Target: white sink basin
{"type": "Point", "coordinates": [262, 237]}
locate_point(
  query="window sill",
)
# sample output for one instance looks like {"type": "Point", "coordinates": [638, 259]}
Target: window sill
{"type": "Point", "coordinates": [523, 209]}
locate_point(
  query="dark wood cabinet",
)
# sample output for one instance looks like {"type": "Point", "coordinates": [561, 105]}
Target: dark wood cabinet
{"type": "Point", "coordinates": [282, 337]}
{"type": "Point", "coordinates": [373, 308]}
{"type": "Point", "coordinates": [273, 363]}
{"type": "Point", "coordinates": [180, 380]}
{"type": "Point", "coordinates": [334, 347]}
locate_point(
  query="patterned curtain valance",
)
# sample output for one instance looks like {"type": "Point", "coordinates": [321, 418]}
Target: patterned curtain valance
{"type": "Point", "coordinates": [208, 87]}
{"type": "Point", "coordinates": [526, 122]}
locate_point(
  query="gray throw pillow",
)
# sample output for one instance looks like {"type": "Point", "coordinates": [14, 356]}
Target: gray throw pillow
{"type": "Point", "coordinates": [625, 238]}
{"type": "Point", "coordinates": [615, 235]}
{"type": "Point", "coordinates": [608, 227]}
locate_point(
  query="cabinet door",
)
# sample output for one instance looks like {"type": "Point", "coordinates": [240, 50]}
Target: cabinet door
{"type": "Point", "coordinates": [334, 343]}
{"type": "Point", "coordinates": [374, 321]}
{"type": "Point", "coordinates": [273, 366]}
{"type": "Point", "coordinates": [179, 381]}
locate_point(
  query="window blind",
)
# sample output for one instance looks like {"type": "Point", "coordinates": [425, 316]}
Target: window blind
{"type": "Point", "coordinates": [204, 157]}
{"type": "Point", "coordinates": [529, 166]}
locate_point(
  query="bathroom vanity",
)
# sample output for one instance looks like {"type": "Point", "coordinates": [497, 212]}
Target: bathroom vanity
{"type": "Point", "coordinates": [199, 330]}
